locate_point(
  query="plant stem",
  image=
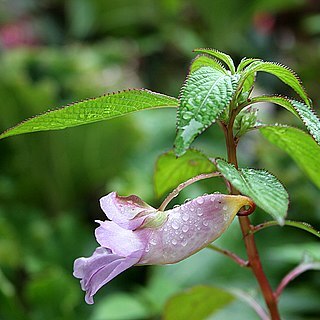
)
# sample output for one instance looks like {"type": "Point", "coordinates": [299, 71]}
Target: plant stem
{"type": "Point", "coordinates": [248, 236]}
{"type": "Point", "coordinates": [233, 256]}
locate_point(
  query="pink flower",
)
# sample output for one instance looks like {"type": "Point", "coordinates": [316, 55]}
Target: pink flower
{"type": "Point", "coordinates": [139, 234]}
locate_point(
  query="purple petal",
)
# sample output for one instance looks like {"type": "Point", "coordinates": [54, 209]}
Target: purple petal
{"type": "Point", "coordinates": [127, 212]}
{"type": "Point", "coordinates": [121, 241]}
{"type": "Point", "coordinates": [190, 227]}
{"type": "Point", "coordinates": [100, 268]}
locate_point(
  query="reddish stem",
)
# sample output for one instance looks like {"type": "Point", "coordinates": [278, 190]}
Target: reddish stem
{"type": "Point", "coordinates": [248, 236]}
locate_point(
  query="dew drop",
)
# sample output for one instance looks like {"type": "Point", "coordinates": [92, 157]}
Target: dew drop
{"type": "Point", "coordinates": [185, 228]}
{"type": "Point", "coordinates": [205, 223]}
{"type": "Point", "coordinates": [181, 236]}
{"type": "Point", "coordinates": [185, 217]}
{"type": "Point", "coordinates": [184, 242]}
{"type": "Point", "coordinates": [187, 200]}
{"type": "Point", "coordinates": [176, 206]}
{"type": "Point", "coordinates": [199, 212]}
{"type": "Point", "coordinates": [175, 225]}
{"type": "Point", "coordinates": [191, 209]}
{"type": "Point", "coordinates": [153, 241]}
{"type": "Point", "coordinates": [174, 241]}
{"type": "Point", "coordinates": [225, 207]}
{"type": "Point", "coordinates": [200, 200]}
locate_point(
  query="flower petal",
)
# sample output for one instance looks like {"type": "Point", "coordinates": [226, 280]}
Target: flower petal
{"type": "Point", "coordinates": [190, 227]}
{"type": "Point", "coordinates": [121, 241]}
{"type": "Point", "coordinates": [124, 210]}
{"type": "Point", "coordinates": [100, 268]}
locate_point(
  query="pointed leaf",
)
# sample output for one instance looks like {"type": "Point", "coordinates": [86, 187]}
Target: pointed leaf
{"type": "Point", "coordinates": [279, 100]}
{"type": "Point", "coordinates": [205, 61]}
{"type": "Point", "coordinates": [245, 62]}
{"type": "Point", "coordinates": [264, 188]}
{"type": "Point", "coordinates": [199, 303]}
{"type": "Point", "coordinates": [205, 95]}
{"type": "Point", "coordinates": [92, 110]}
{"type": "Point", "coordinates": [219, 55]}
{"type": "Point", "coordinates": [170, 171]}
{"type": "Point", "coordinates": [284, 73]}
{"type": "Point", "coordinates": [299, 109]}
{"type": "Point", "coordinates": [299, 146]}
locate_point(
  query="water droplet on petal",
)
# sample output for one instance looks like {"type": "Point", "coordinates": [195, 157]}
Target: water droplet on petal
{"type": "Point", "coordinates": [200, 200]}
{"type": "Point", "coordinates": [176, 206]}
{"type": "Point", "coordinates": [175, 225]}
{"type": "Point", "coordinates": [205, 223]}
{"type": "Point", "coordinates": [199, 212]}
{"type": "Point", "coordinates": [184, 242]}
{"type": "Point", "coordinates": [185, 217]}
{"type": "Point", "coordinates": [185, 228]}
{"type": "Point", "coordinates": [187, 200]}
{"type": "Point", "coordinates": [153, 241]}
{"type": "Point", "coordinates": [174, 241]}
{"type": "Point", "coordinates": [225, 207]}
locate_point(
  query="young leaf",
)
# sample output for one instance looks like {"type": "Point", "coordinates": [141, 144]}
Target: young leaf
{"type": "Point", "coordinates": [299, 109]}
{"type": "Point", "coordinates": [205, 61]}
{"type": "Point", "coordinates": [285, 74]}
{"type": "Point", "coordinates": [92, 110]}
{"type": "Point", "coordinates": [219, 55]}
{"type": "Point", "coordinates": [264, 188]}
{"type": "Point", "coordinates": [206, 93]}
{"type": "Point", "coordinates": [171, 171]}
{"type": "Point", "coordinates": [199, 303]}
{"type": "Point", "coordinates": [299, 146]}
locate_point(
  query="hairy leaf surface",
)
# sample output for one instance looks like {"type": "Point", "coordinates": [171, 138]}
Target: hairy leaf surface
{"type": "Point", "coordinates": [219, 55]}
{"type": "Point", "coordinates": [92, 110]}
{"type": "Point", "coordinates": [205, 95]}
{"type": "Point", "coordinates": [299, 109]}
{"type": "Point", "coordinates": [284, 73]}
{"type": "Point", "coordinates": [264, 188]}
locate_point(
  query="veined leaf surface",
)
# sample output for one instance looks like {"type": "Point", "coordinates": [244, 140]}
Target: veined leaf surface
{"type": "Point", "coordinates": [264, 188]}
{"type": "Point", "coordinates": [205, 95]}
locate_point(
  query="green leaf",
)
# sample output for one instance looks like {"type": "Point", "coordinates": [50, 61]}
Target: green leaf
{"type": "Point", "coordinates": [205, 61]}
{"type": "Point", "coordinates": [281, 101]}
{"type": "Point", "coordinates": [102, 108]}
{"type": "Point", "coordinates": [205, 95]}
{"type": "Point", "coordinates": [309, 118]}
{"type": "Point", "coordinates": [264, 188]}
{"type": "Point", "coordinates": [245, 62]}
{"type": "Point", "coordinates": [296, 224]}
{"type": "Point", "coordinates": [284, 73]}
{"type": "Point", "coordinates": [198, 303]}
{"type": "Point", "coordinates": [299, 109]}
{"type": "Point", "coordinates": [170, 171]}
{"type": "Point", "coordinates": [299, 146]}
{"type": "Point", "coordinates": [219, 55]}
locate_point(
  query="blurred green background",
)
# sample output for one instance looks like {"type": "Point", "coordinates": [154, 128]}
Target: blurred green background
{"type": "Point", "coordinates": [55, 52]}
